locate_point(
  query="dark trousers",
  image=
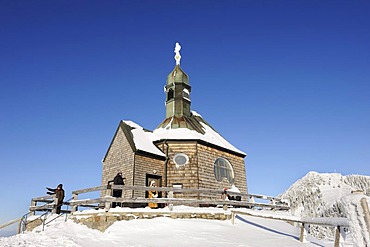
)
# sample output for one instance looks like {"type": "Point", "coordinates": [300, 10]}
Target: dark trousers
{"type": "Point", "coordinates": [59, 207]}
{"type": "Point", "coordinates": [118, 194]}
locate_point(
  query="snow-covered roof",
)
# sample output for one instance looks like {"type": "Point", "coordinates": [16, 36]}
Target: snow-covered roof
{"type": "Point", "coordinates": [144, 139]}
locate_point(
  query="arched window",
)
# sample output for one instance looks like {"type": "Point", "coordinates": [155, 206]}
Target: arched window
{"type": "Point", "coordinates": [223, 169]}
{"type": "Point", "coordinates": [170, 94]}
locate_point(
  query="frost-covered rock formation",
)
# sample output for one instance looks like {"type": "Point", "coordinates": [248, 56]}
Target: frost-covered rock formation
{"type": "Point", "coordinates": [321, 195]}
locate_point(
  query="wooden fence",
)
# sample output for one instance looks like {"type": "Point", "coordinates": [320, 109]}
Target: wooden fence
{"type": "Point", "coordinates": [188, 196]}
{"type": "Point", "coordinates": [193, 197]}
{"type": "Point", "coordinates": [174, 196]}
{"type": "Point", "coordinates": [338, 223]}
{"type": "Point", "coordinates": [50, 203]}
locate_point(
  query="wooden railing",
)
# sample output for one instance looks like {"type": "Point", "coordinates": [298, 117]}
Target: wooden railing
{"type": "Point", "coordinates": [171, 196]}
{"type": "Point", "coordinates": [193, 197]}
{"type": "Point", "coordinates": [337, 223]}
{"type": "Point", "coordinates": [50, 203]}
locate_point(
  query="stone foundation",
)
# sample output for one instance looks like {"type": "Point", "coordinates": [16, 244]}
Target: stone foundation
{"type": "Point", "coordinates": [101, 221]}
{"type": "Point", "coordinates": [33, 223]}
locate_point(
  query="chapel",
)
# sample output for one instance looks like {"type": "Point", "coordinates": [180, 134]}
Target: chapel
{"type": "Point", "coordinates": [183, 151]}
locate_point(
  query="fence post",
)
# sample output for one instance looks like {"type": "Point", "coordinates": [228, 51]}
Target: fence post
{"type": "Point", "coordinates": [337, 236]}
{"type": "Point", "coordinates": [233, 218]}
{"type": "Point", "coordinates": [54, 211]}
{"type": "Point", "coordinates": [109, 190]}
{"type": "Point", "coordinates": [170, 195]}
{"type": "Point", "coordinates": [74, 207]}
{"type": "Point", "coordinates": [272, 201]}
{"type": "Point", "coordinates": [365, 208]}
{"type": "Point", "coordinates": [303, 234]}
{"type": "Point", "coordinates": [33, 204]}
{"type": "Point", "coordinates": [19, 226]}
{"type": "Point", "coordinates": [22, 224]}
{"type": "Point", "coordinates": [107, 204]}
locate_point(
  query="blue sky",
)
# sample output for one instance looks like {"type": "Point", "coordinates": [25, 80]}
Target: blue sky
{"type": "Point", "coordinates": [287, 82]}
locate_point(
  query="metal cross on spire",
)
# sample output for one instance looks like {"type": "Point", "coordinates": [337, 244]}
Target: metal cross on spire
{"type": "Point", "coordinates": [177, 53]}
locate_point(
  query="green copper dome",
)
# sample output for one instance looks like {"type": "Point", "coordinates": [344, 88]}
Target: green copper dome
{"type": "Point", "coordinates": [177, 75]}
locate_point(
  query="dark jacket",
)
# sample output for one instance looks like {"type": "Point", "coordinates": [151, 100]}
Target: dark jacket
{"type": "Point", "coordinates": [58, 192]}
{"type": "Point", "coordinates": [118, 180]}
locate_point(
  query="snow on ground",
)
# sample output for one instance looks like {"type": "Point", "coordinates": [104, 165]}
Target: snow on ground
{"type": "Point", "coordinates": [163, 231]}
{"type": "Point", "coordinates": [313, 194]}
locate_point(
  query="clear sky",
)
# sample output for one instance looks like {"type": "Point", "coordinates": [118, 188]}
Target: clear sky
{"type": "Point", "coordinates": [287, 82]}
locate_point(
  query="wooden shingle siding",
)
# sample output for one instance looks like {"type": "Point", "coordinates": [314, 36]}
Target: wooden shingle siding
{"type": "Point", "coordinates": [145, 165]}
{"type": "Point", "coordinates": [199, 172]}
{"type": "Point", "coordinates": [207, 156]}
{"type": "Point", "coordinates": [120, 157]}
{"type": "Point", "coordinates": [186, 175]}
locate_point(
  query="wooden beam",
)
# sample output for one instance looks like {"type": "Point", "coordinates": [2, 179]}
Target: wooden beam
{"type": "Point", "coordinates": [180, 190]}
{"type": "Point", "coordinates": [9, 223]}
{"type": "Point", "coordinates": [92, 189]}
{"type": "Point", "coordinates": [324, 221]}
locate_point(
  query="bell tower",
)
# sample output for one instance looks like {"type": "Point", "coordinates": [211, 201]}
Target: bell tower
{"type": "Point", "coordinates": [177, 90]}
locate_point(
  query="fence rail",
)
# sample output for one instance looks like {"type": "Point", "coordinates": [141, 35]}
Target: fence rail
{"type": "Point", "coordinates": [338, 223]}
{"type": "Point", "coordinates": [11, 222]}
{"type": "Point", "coordinates": [171, 195]}
{"type": "Point", "coordinates": [197, 197]}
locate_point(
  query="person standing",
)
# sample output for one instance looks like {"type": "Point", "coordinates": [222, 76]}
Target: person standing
{"type": "Point", "coordinates": [59, 193]}
{"type": "Point", "coordinates": [118, 180]}
{"type": "Point", "coordinates": [152, 194]}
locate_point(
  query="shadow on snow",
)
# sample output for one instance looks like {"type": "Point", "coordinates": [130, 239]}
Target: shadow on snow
{"type": "Point", "coordinates": [271, 230]}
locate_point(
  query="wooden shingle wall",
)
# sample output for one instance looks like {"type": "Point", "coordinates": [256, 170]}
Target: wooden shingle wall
{"type": "Point", "coordinates": [146, 165]}
{"type": "Point", "coordinates": [186, 175]}
{"type": "Point", "coordinates": [206, 158]}
{"type": "Point", "coordinates": [199, 172]}
{"type": "Point", "coordinates": [120, 157]}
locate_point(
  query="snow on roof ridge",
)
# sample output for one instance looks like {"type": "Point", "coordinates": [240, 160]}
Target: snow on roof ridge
{"type": "Point", "coordinates": [196, 114]}
{"type": "Point", "coordinates": [132, 124]}
{"type": "Point", "coordinates": [210, 136]}
{"type": "Point", "coordinates": [143, 140]}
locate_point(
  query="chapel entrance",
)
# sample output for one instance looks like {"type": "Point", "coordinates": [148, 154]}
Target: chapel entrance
{"type": "Point", "coordinates": [158, 182]}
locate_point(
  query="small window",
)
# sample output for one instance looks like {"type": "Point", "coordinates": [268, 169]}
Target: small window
{"type": "Point", "coordinates": [180, 159]}
{"type": "Point", "coordinates": [223, 169]}
{"type": "Point", "coordinates": [170, 94]}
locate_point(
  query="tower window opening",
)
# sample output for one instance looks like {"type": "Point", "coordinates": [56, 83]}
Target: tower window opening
{"type": "Point", "coordinates": [170, 94]}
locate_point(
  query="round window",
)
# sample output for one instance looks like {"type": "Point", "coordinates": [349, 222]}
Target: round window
{"type": "Point", "coordinates": [180, 159]}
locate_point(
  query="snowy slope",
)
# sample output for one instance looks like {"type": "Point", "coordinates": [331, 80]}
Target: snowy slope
{"type": "Point", "coordinates": [247, 231]}
{"type": "Point", "coordinates": [323, 194]}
